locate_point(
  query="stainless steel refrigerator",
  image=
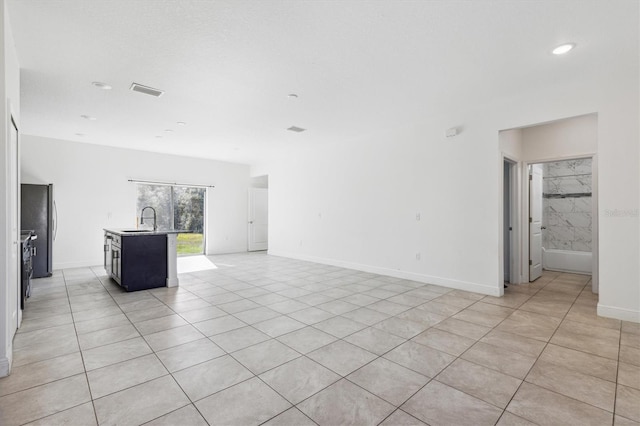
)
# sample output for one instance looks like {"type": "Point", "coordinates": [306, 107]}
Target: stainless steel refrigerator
{"type": "Point", "coordinates": [37, 214]}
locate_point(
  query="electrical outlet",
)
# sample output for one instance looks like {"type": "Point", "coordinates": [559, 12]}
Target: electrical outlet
{"type": "Point", "coordinates": [418, 256]}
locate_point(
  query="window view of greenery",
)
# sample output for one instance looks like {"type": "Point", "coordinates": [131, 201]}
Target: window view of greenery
{"type": "Point", "coordinates": [177, 207]}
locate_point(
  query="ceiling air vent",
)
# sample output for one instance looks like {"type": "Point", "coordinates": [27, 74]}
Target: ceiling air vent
{"type": "Point", "coordinates": [296, 129]}
{"type": "Point", "coordinates": [146, 90]}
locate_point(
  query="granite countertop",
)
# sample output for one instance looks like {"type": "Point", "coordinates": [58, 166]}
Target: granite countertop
{"type": "Point", "coordinates": [134, 232]}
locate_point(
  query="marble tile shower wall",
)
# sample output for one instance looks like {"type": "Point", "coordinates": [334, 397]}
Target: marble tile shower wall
{"type": "Point", "coordinates": [567, 205]}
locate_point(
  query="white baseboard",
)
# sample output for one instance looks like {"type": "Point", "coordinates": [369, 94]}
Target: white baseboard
{"type": "Point", "coordinates": [99, 262]}
{"type": "Point", "coordinates": [427, 279]}
{"type": "Point", "coordinates": [79, 264]}
{"type": "Point", "coordinates": [619, 313]}
{"type": "Point", "coordinates": [5, 367]}
{"type": "Point", "coordinates": [227, 250]}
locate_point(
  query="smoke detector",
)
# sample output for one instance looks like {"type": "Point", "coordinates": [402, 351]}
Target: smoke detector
{"type": "Point", "coordinates": [146, 90]}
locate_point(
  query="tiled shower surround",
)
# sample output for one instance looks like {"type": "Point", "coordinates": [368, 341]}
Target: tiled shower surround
{"type": "Point", "coordinates": [567, 205]}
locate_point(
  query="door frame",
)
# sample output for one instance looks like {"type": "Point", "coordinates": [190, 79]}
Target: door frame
{"type": "Point", "coordinates": [514, 213]}
{"type": "Point", "coordinates": [15, 238]}
{"type": "Point", "coordinates": [250, 202]}
{"type": "Point", "coordinates": [594, 212]}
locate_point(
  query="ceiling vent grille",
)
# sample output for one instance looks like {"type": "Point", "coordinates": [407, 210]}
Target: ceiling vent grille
{"type": "Point", "coordinates": [296, 129]}
{"type": "Point", "coordinates": [146, 90]}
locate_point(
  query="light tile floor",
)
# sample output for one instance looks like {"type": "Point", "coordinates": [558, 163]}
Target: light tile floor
{"type": "Point", "coordinates": [269, 340]}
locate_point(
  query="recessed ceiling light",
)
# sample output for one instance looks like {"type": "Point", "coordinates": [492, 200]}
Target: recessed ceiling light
{"type": "Point", "coordinates": [296, 129]}
{"type": "Point", "coordinates": [292, 96]}
{"type": "Point", "coordinates": [563, 48]}
{"type": "Point", "coordinates": [101, 85]}
{"type": "Point", "coordinates": [181, 123]}
{"type": "Point", "coordinates": [88, 117]}
{"type": "Point", "coordinates": [79, 134]}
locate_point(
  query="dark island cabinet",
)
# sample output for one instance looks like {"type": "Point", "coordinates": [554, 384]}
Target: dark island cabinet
{"type": "Point", "coordinates": [136, 262]}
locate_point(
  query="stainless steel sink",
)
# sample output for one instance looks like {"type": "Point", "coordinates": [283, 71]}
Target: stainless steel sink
{"type": "Point", "coordinates": [136, 230]}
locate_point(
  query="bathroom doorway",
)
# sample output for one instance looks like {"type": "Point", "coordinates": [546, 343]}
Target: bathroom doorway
{"type": "Point", "coordinates": [566, 200]}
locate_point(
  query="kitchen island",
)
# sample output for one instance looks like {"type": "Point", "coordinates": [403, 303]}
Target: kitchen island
{"type": "Point", "coordinates": [139, 259]}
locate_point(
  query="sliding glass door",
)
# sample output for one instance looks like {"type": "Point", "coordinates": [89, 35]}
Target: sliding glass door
{"type": "Point", "coordinates": [177, 207]}
{"type": "Point", "coordinates": [188, 214]}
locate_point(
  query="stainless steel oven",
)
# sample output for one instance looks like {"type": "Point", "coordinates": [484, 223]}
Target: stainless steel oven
{"type": "Point", "coordinates": [116, 259]}
{"type": "Point", "coordinates": [26, 263]}
{"type": "Point", "coordinates": [107, 253]}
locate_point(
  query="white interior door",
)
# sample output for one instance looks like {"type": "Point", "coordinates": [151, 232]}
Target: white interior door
{"type": "Point", "coordinates": [258, 219]}
{"type": "Point", "coordinates": [535, 222]}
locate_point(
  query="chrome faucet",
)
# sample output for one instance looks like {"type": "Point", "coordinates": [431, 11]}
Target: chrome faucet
{"type": "Point", "coordinates": [155, 221]}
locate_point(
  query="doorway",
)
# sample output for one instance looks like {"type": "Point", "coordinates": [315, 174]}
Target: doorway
{"type": "Point", "coordinates": [258, 219]}
{"type": "Point", "coordinates": [572, 138]}
{"type": "Point", "coordinates": [510, 218]}
{"type": "Point", "coordinates": [569, 225]}
{"type": "Point", "coordinates": [563, 200]}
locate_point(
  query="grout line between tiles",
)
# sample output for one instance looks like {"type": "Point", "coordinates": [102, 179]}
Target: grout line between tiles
{"type": "Point", "coordinates": [84, 367]}
{"type": "Point", "coordinates": [538, 358]}
{"type": "Point", "coordinates": [338, 277]}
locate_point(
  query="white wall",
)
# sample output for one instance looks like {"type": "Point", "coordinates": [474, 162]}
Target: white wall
{"type": "Point", "coordinates": [92, 192]}
{"type": "Point", "coordinates": [355, 203]}
{"type": "Point", "coordinates": [571, 137]}
{"type": "Point", "coordinates": [10, 104]}
{"type": "Point", "coordinates": [510, 143]}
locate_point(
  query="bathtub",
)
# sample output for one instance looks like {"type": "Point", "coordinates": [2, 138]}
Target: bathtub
{"type": "Point", "coordinates": [566, 261]}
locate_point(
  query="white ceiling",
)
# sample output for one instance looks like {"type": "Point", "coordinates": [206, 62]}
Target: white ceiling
{"type": "Point", "coordinates": [359, 67]}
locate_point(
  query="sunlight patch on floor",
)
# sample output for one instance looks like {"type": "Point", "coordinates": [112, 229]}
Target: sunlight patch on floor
{"type": "Point", "coordinates": [188, 264]}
